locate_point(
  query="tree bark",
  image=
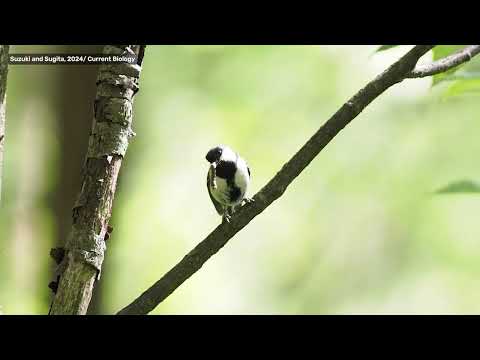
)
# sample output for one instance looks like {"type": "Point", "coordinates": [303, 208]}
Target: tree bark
{"type": "Point", "coordinates": [113, 114]}
{"type": "Point", "coordinates": [4, 49]}
{"type": "Point", "coordinates": [74, 121]}
{"type": "Point", "coordinates": [459, 57]}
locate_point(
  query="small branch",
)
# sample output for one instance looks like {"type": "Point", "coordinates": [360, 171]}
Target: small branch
{"type": "Point", "coordinates": [4, 50]}
{"type": "Point", "coordinates": [194, 260]}
{"type": "Point", "coordinates": [445, 64]}
{"type": "Point", "coordinates": [82, 262]}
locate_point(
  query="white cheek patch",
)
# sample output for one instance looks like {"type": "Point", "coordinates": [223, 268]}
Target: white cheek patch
{"type": "Point", "coordinates": [228, 154]}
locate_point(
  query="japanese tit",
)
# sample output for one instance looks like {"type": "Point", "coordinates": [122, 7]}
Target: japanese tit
{"type": "Point", "coordinates": [227, 180]}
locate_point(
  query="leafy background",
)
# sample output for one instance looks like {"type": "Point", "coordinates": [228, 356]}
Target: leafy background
{"type": "Point", "coordinates": [362, 230]}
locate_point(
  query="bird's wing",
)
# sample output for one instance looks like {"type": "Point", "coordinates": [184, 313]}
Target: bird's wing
{"type": "Point", "coordinates": [217, 205]}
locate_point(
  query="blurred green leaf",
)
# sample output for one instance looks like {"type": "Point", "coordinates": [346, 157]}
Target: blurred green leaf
{"type": "Point", "coordinates": [463, 87]}
{"type": "Point", "coordinates": [462, 186]}
{"type": "Point", "coordinates": [465, 81]}
{"type": "Point", "coordinates": [385, 47]}
{"type": "Point", "coordinates": [465, 78]}
{"type": "Point", "coordinates": [467, 75]}
{"type": "Point", "coordinates": [439, 52]}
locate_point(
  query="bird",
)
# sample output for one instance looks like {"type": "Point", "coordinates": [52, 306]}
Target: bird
{"type": "Point", "coordinates": [228, 179]}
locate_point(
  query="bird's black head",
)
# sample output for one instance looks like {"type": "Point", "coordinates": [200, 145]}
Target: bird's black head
{"type": "Point", "coordinates": [214, 154]}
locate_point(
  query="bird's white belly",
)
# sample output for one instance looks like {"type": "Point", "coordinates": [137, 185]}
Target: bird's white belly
{"type": "Point", "coordinates": [222, 191]}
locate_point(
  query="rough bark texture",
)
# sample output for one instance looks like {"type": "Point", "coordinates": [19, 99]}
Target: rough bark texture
{"type": "Point", "coordinates": [81, 266]}
{"type": "Point", "coordinates": [194, 260]}
{"type": "Point", "coordinates": [3, 104]}
{"type": "Point", "coordinates": [74, 122]}
{"type": "Point", "coordinates": [74, 125]}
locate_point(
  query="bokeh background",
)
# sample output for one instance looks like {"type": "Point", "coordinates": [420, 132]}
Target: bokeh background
{"type": "Point", "coordinates": [360, 231]}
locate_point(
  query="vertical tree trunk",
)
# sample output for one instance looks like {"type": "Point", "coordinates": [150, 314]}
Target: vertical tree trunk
{"type": "Point", "coordinates": [82, 263]}
{"type": "Point", "coordinates": [3, 104]}
{"type": "Point", "coordinates": [73, 105]}
{"type": "Point", "coordinates": [74, 124]}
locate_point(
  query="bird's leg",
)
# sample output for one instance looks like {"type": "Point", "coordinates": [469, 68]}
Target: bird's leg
{"type": "Point", "coordinates": [226, 218]}
{"type": "Point", "coordinates": [247, 200]}
{"type": "Point", "coordinates": [227, 215]}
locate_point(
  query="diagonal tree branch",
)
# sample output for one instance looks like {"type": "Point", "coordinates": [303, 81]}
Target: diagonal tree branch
{"type": "Point", "coordinates": [3, 104]}
{"type": "Point", "coordinates": [447, 63]}
{"type": "Point", "coordinates": [81, 263]}
{"type": "Point", "coordinates": [194, 260]}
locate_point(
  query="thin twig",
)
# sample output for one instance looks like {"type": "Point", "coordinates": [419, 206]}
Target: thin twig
{"type": "Point", "coordinates": [445, 64]}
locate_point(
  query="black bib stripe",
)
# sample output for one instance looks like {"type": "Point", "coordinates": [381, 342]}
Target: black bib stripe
{"type": "Point", "coordinates": [226, 170]}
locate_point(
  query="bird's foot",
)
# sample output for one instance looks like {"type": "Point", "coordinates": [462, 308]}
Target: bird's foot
{"type": "Point", "coordinates": [247, 201]}
{"type": "Point", "coordinates": [226, 218]}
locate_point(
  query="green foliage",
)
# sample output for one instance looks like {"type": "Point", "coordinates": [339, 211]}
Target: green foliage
{"type": "Point", "coordinates": [465, 87]}
{"type": "Point", "coordinates": [439, 52]}
{"type": "Point", "coordinates": [462, 186]}
{"type": "Point", "coordinates": [385, 47]}
{"type": "Point", "coordinates": [464, 79]}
